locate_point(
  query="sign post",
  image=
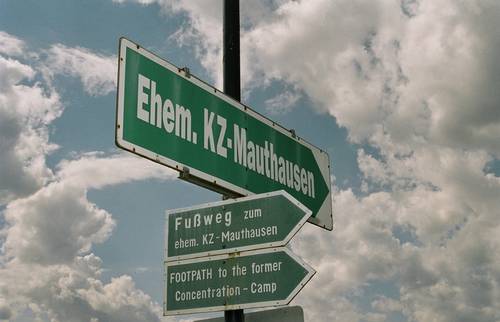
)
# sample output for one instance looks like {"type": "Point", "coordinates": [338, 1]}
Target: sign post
{"type": "Point", "coordinates": [268, 277]}
{"type": "Point", "coordinates": [231, 79]}
{"type": "Point", "coordinates": [259, 221]}
{"type": "Point", "coordinates": [171, 117]}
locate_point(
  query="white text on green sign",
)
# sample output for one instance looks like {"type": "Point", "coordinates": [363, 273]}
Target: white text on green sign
{"type": "Point", "coordinates": [252, 279]}
{"type": "Point", "coordinates": [258, 221]}
{"type": "Point", "coordinates": [183, 123]}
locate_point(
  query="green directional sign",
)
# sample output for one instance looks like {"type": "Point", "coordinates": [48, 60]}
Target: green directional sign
{"type": "Point", "coordinates": [171, 117]}
{"type": "Point", "coordinates": [258, 221]}
{"type": "Point", "coordinates": [260, 278]}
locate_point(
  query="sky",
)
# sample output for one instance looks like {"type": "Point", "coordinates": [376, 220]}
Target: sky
{"type": "Point", "coordinates": [403, 95]}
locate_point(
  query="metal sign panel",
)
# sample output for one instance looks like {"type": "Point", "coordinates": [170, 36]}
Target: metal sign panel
{"type": "Point", "coordinates": [171, 117]}
{"type": "Point", "coordinates": [258, 221]}
{"type": "Point", "coordinates": [269, 277]}
{"type": "Point", "coordinates": [286, 313]}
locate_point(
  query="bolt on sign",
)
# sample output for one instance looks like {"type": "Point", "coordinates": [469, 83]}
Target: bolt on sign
{"type": "Point", "coordinates": [171, 117]}
{"type": "Point", "coordinates": [268, 277]}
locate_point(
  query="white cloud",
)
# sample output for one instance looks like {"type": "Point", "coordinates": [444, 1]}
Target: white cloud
{"type": "Point", "coordinates": [97, 72]}
{"type": "Point", "coordinates": [460, 108]}
{"type": "Point", "coordinates": [46, 256]}
{"type": "Point", "coordinates": [74, 292]}
{"type": "Point", "coordinates": [54, 225]}
{"type": "Point", "coordinates": [143, 2]}
{"type": "Point", "coordinates": [438, 250]}
{"type": "Point", "coordinates": [362, 247]}
{"type": "Point", "coordinates": [339, 310]}
{"type": "Point", "coordinates": [28, 107]}
{"type": "Point", "coordinates": [11, 45]}
{"type": "Point", "coordinates": [49, 226]}
{"type": "Point", "coordinates": [5, 312]}
{"type": "Point", "coordinates": [203, 33]}
{"type": "Point", "coordinates": [95, 170]}
{"type": "Point", "coordinates": [323, 47]}
{"type": "Point", "coordinates": [417, 81]}
{"type": "Point", "coordinates": [282, 103]}
{"type": "Point", "coordinates": [385, 304]}
{"type": "Point", "coordinates": [25, 112]}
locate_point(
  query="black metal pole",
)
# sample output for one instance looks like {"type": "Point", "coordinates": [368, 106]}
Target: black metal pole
{"type": "Point", "coordinates": [234, 316]}
{"type": "Point", "coordinates": [232, 85]}
{"type": "Point", "coordinates": [231, 49]}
